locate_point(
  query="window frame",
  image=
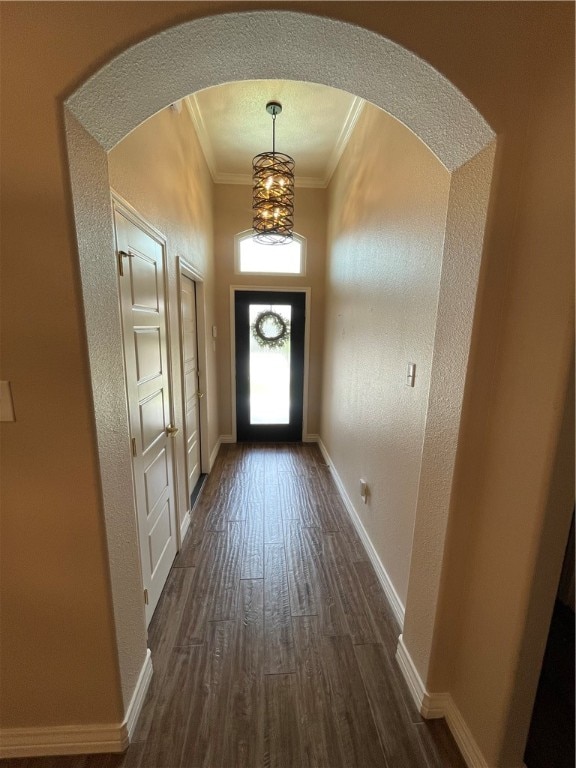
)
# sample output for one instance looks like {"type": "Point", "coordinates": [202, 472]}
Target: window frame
{"type": "Point", "coordinates": [246, 234]}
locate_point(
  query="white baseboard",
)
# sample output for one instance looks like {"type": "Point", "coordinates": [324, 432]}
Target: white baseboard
{"type": "Point", "coordinates": [383, 578]}
{"type": "Point", "coordinates": [435, 705]}
{"type": "Point", "coordinates": [310, 438]}
{"type": "Point", "coordinates": [221, 440]}
{"type": "Point", "coordinates": [78, 739]}
{"type": "Point", "coordinates": [135, 706]}
{"type": "Point", "coordinates": [184, 525]}
{"type": "Point", "coordinates": [430, 706]}
{"type": "Point", "coordinates": [463, 737]}
{"type": "Point", "coordinates": [62, 740]}
{"type": "Point", "coordinates": [215, 452]}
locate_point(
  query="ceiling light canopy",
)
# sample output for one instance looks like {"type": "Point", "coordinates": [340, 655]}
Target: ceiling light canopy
{"type": "Point", "coordinates": [273, 191]}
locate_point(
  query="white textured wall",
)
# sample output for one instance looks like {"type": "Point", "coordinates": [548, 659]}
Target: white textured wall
{"type": "Point", "coordinates": [465, 227]}
{"type": "Point", "coordinates": [92, 209]}
{"type": "Point", "coordinates": [286, 46]}
{"type": "Point", "coordinates": [387, 214]}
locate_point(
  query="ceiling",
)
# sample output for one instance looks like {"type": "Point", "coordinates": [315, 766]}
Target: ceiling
{"type": "Point", "coordinates": [232, 126]}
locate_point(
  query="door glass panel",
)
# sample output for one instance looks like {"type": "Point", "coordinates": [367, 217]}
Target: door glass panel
{"type": "Point", "coordinates": [270, 364]}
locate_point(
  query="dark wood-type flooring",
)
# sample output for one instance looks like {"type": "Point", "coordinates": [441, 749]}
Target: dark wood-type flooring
{"type": "Point", "coordinates": [273, 644]}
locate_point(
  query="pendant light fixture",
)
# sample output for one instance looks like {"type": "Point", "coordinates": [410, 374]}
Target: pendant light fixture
{"type": "Point", "coordinates": [273, 191]}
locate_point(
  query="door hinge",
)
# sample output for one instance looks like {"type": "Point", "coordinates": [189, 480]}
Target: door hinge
{"type": "Point", "coordinates": [145, 597]}
{"type": "Point", "coordinates": [134, 447]}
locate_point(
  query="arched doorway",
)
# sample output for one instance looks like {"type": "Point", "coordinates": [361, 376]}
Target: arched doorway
{"type": "Point", "coordinates": [277, 44]}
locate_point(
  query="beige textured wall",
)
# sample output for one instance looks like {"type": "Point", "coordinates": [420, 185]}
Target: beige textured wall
{"type": "Point", "coordinates": [160, 170]}
{"type": "Point", "coordinates": [497, 596]}
{"type": "Point", "coordinates": [55, 597]}
{"type": "Point", "coordinates": [58, 659]}
{"type": "Point", "coordinates": [233, 214]}
{"type": "Point", "coordinates": [387, 215]}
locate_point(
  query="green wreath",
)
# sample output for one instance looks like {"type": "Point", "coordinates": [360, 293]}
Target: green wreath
{"type": "Point", "coordinates": [270, 329]}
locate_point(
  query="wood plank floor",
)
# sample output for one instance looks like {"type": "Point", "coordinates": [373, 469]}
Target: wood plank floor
{"type": "Point", "coordinates": [273, 644]}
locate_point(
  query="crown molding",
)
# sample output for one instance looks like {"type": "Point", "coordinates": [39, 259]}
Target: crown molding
{"type": "Point", "coordinates": [193, 108]}
{"type": "Point", "coordinates": [312, 182]}
{"type": "Point", "coordinates": [351, 119]}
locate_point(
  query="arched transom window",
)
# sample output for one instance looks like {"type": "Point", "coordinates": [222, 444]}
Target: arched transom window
{"type": "Point", "coordinates": [254, 258]}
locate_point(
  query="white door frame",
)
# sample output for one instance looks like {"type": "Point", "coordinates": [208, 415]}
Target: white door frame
{"type": "Point", "coordinates": [185, 269]}
{"type": "Point", "coordinates": [278, 289]}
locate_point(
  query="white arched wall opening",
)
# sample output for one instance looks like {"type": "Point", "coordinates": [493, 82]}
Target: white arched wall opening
{"type": "Point", "coordinates": [276, 45]}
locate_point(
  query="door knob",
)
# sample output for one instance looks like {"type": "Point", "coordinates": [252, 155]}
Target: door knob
{"type": "Point", "coordinates": [171, 430]}
{"type": "Point", "coordinates": [200, 395]}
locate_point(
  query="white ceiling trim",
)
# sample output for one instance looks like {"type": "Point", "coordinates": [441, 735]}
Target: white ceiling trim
{"type": "Point", "coordinates": [351, 119]}
{"type": "Point", "coordinates": [246, 179]}
{"type": "Point", "coordinates": [203, 136]}
{"type": "Point", "coordinates": [218, 177]}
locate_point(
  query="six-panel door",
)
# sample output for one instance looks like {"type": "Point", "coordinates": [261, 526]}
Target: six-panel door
{"type": "Point", "coordinates": [142, 294]}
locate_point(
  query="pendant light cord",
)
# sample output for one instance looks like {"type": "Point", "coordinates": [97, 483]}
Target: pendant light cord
{"type": "Point", "coordinates": [274, 133]}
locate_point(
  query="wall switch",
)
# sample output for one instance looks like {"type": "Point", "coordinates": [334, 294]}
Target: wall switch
{"type": "Point", "coordinates": [411, 375]}
{"type": "Point", "coordinates": [364, 491]}
{"type": "Point", "coordinates": [6, 404]}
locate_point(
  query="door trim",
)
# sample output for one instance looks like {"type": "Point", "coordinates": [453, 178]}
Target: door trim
{"type": "Point", "coordinates": [119, 203]}
{"type": "Point", "coordinates": [185, 269]}
{"type": "Point", "coordinates": [276, 289]}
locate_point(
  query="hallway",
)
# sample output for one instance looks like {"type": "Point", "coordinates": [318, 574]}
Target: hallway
{"type": "Point", "coordinates": [273, 644]}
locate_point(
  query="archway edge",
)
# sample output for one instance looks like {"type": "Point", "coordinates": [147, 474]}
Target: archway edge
{"type": "Point", "coordinates": [280, 45]}
{"type": "Point", "coordinates": [195, 55]}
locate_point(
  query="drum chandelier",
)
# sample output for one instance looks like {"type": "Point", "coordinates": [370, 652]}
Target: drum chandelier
{"type": "Point", "coordinates": [273, 191]}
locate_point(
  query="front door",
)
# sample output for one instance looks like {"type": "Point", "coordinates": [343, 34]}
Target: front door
{"type": "Point", "coordinates": [269, 328]}
{"type": "Point", "coordinates": [141, 264]}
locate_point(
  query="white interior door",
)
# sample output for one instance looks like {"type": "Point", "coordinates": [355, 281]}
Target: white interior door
{"type": "Point", "coordinates": [191, 375]}
{"type": "Point", "coordinates": [141, 266]}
